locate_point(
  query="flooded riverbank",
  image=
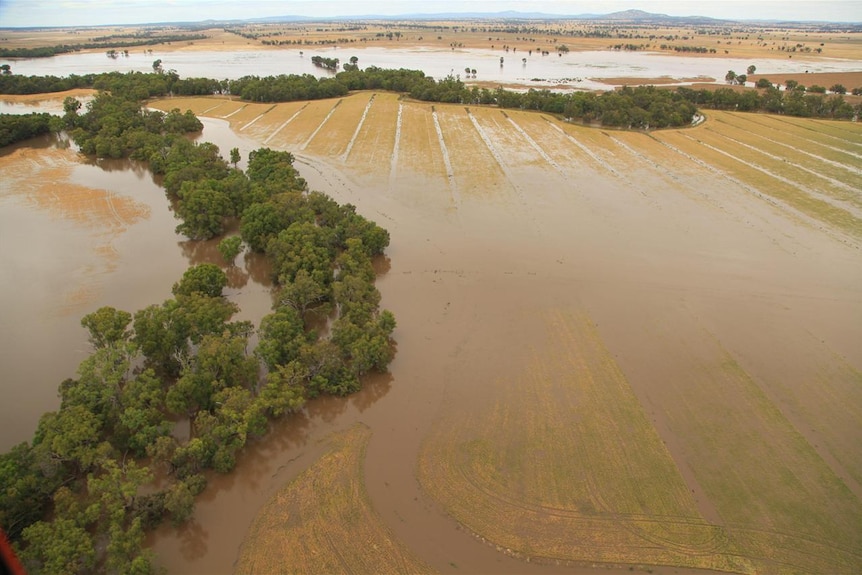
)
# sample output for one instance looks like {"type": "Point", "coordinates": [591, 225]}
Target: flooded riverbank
{"type": "Point", "coordinates": [78, 235]}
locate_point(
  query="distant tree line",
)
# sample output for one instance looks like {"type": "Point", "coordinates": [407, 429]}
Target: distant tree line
{"type": "Point", "coordinates": [48, 51]}
{"type": "Point", "coordinates": [80, 496]}
{"type": "Point", "coordinates": [18, 127]}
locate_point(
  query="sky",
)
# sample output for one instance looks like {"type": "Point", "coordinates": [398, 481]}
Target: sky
{"type": "Point", "coordinates": [26, 13]}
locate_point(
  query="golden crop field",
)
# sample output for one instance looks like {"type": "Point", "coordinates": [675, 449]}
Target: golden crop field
{"type": "Point", "coordinates": [322, 521]}
{"type": "Point", "coordinates": [683, 389]}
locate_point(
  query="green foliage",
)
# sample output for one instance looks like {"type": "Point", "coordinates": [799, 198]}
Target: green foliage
{"type": "Point", "coordinates": [285, 389]}
{"type": "Point", "coordinates": [303, 246]}
{"type": "Point", "coordinates": [220, 362]}
{"type": "Point", "coordinates": [282, 337]}
{"type": "Point", "coordinates": [26, 488]}
{"type": "Point", "coordinates": [205, 279]}
{"type": "Point", "coordinates": [302, 292]}
{"type": "Point", "coordinates": [18, 127]}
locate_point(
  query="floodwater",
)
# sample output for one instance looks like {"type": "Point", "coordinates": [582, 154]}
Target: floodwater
{"type": "Point", "coordinates": [574, 69]}
{"type": "Point", "coordinates": [664, 261]}
{"type": "Point", "coordinates": [77, 235]}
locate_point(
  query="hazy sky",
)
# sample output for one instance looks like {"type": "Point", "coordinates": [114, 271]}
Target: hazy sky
{"type": "Point", "coordinates": [18, 13]}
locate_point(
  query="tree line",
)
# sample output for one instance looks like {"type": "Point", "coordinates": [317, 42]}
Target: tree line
{"type": "Point", "coordinates": [774, 101]}
{"type": "Point", "coordinates": [80, 496]}
{"type": "Point", "coordinates": [105, 42]}
{"type": "Point", "coordinates": [18, 127]}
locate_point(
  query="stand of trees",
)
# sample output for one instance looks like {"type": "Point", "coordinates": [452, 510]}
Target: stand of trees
{"type": "Point", "coordinates": [774, 101]}
{"type": "Point", "coordinates": [80, 496]}
{"type": "Point", "coordinates": [17, 127]}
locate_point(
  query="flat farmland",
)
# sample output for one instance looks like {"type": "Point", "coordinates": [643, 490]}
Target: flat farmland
{"type": "Point", "coordinates": [624, 349]}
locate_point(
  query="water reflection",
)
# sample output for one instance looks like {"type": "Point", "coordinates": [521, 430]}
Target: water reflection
{"type": "Point", "coordinates": [570, 70]}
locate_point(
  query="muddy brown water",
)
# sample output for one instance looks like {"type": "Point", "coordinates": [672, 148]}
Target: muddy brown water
{"type": "Point", "coordinates": [656, 266]}
{"type": "Point", "coordinates": [575, 69]}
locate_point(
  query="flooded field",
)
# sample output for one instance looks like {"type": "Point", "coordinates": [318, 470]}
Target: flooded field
{"type": "Point", "coordinates": [614, 348]}
{"type": "Point", "coordinates": [594, 69]}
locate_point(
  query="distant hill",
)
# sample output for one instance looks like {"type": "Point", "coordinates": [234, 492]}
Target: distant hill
{"type": "Point", "coordinates": [624, 16]}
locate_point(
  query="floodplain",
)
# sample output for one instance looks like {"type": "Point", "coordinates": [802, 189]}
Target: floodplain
{"type": "Point", "coordinates": [615, 348]}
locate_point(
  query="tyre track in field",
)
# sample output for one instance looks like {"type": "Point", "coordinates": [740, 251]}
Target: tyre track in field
{"type": "Point", "coordinates": [265, 112]}
{"type": "Point", "coordinates": [833, 181]}
{"type": "Point", "coordinates": [824, 134]}
{"type": "Point", "coordinates": [320, 126]}
{"type": "Point", "coordinates": [849, 168]}
{"type": "Point", "coordinates": [238, 110]}
{"type": "Point", "coordinates": [503, 166]}
{"type": "Point", "coordinates": [535, 145]}
{"type": "Point", "coordinates": [450, 173]}
{"type": "Point", "coordinates": [286, 122]}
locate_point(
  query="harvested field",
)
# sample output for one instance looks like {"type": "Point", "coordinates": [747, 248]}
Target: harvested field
{"type": "Point", "coordinates": [813, 191]}
{"type": "Point", "coordinates": [374, 141]}
{"type": "Point", "coordinates": [333, 139]}
{"type": "Point", "coordinates": [304, 125]}
{"type": "Point", "coordinates": [476, 165]}
{"type": "Point", "coordinates": [323, 522]}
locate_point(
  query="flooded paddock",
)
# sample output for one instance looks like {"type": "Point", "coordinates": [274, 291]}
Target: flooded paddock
{"type": "Point", "coordinates": [612, 347]}
{"type": "Point", "coordinates": [588, 70]}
